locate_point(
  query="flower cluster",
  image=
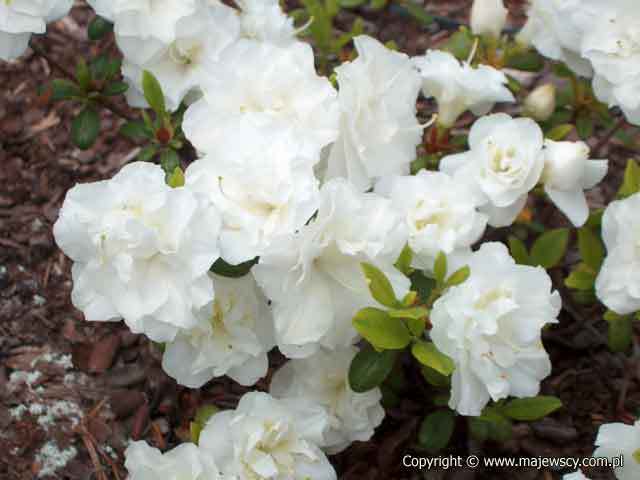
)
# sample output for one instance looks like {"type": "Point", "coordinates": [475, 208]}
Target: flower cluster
{"type": "Point", "coordinates": [19, 19]}
{"type": "Point", "coordinates": [595, 39]}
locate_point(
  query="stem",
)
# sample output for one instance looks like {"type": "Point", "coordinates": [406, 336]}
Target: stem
{"type": "Point", "coordinates": [608, 136]}
{"type": "Point", "coordinates": [105, 103]}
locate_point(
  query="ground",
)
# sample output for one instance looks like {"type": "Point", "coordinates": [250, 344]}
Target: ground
{"type": "Point", "coordinates": [73, 393]}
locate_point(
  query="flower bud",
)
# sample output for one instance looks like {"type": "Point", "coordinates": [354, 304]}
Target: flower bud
{"type": "Point", "coordinates": [488, 17]}
{"type": "Point", "coordinates": [541, 102]}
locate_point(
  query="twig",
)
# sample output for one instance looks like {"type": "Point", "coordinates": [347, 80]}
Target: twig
{"type": "Point", "coordinates": [67, 73]}
{"type": "Point", "coordinates": [608, 136]}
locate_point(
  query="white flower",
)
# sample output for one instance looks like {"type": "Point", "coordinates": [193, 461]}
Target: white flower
{"type": "Point", "coordinates": [488, 17]}
{"type": "Point", "coordinates": [314, 277]}
{"type": "Point", "coordinates": [490, 326]}
{"type": "Point", "coordinates": [541, 102]}
{"type": "Point", "coordinates": [625, 95]}
{"type": "Point", "coordinates": [440, 214]}
{"type": "Point", "coordinates": [504, 163]}
{"type": "Point", "coordinates": [264, 93]}
{"type": "Point", "coordinates": [141, 250]}
{"type": "Point", "coordinates": [556, 28]}
{"type": "Point", "coordinates": [265, 438]}
{"type": "Point", "coordinates": [323, 379]}
{"type": "Point", "coordinates": [179, 66]}
{"type": "Point", "coordinates": [458, 87]}
{"type": "Point", "coordinates": [567, 172]}
{"type": "Point", "coordinates": [20, 18]}
{"type": "Point", "coordinates": [264, 20]}
{"type": "Point", "coordinates": [267, 194]}
{"type": "Point", "coordinates": [145, 28]}
{"type": "Point", "coordinates": [184, 462]}
{"type": "Point", "coordinates": [615, 439]}
{"type": "Point", "coordinates": [232, 337]}
{"type": "Point", "coordinates": [103, 8]}
{"type": "Point", "coordinates": [618, 283]}
{"type": "Point", "coordinates": [575, 476]}
{"type": "Point", "coordinates": [379, 131]}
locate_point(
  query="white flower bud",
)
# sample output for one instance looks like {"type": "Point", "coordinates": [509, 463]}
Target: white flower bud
{"type": "Point", "coordinates": [541, 102]}
{"type": "Point", "coordinates": [488, 17]}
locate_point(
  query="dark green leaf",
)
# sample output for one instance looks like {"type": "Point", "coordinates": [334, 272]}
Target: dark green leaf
{"type": "Point", "coordinates": [549, 249]}
{"type": "Point", "coordinates": [434, 377]}
{"type": "Point", "coordinates": [620, 331]}
{"type": "Point", "coordinates": [98, 28]}
{"type": "Point", "coordinates": [83, 74]}
{"type": "Point", "coordinates": [530, 409]}
{"type": "Point", "coordinates": [135, 130]}
{"type": "Point", "coordinates": [418, 12]}
{"type": "Point", "coordinates": [169, 160]}
{"type": "Point", "coordinates": [436, 430]}
{"type": "Point", "coordinates": [64, 90]}
{"type": "Point", "coordinates": [559, 132]}
{"type": "Point", "coordinates": [581, 279]}
{"type": "Point", "coordinates": [115, 88]}
{"type": "Point", "coordinates": [224, 269]}
{"type": "Point", "coordinates": [147, 153]}
{"type": "Point", "coordinates": [85, 128]}
{"type": "Point", "coordinates": [584, 125]}
{"type": "Point", "coordinates": [153, 93]}
{"type": "Point", "coordinates": [518, 250]}
{"type": "Point", "coordinates": [422, 284]}
{"type": "Point", "coordinates": [591, 248]}
{"type": "Point", "coordinates": [370, 368]}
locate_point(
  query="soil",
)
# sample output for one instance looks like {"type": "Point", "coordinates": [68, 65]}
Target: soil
{"type": "Point", "coordinates": [72, 393]}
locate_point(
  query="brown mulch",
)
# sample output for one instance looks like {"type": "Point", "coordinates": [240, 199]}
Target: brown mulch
{"type": "Point", "coordinates": [111, 379]}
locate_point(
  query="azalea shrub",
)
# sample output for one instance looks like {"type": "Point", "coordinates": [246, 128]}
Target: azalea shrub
{"type": "Point", "coordinates": [325, 215]}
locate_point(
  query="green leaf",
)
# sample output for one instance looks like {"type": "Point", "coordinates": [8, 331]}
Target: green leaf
{"type": "Point", "coordinates": [418, 12]}
{"type": "Point", "coordinates": [435, 378]}
{"type": "Point", "coordinates": [83, 74]}
{"type": "Point", "coordinates": [591, 248]}
{"type": "Point", "coordinates": [135, 130]}
{"type": "Point", "coordinates": [100, 67]}
{"type": "Point", "coordinates": [530, 409]}
{"type": "Point", "coordinates": [85, 128]}
{"type": "Point", "coordinates": [440, 268]}
{"type": "Point", "coordinates": [370, 368]}
{"type": "Point", "coordinates": [380, 330]}
{"type": "Point", "coordinates": [427, 354]}
{"type": "Point", "coordinates": [224, 269]}
{"type": "Point", "coordinates": [422, 284]}
{"type": "Point", "coordinates": [460, 44]}
{"type": "Point", "coordinates": [585, 125]}
{"type": "Point", "coordinates": [176, 179]}
{"type": "Point", "coordinates": [169, 160]}
{"type": "Point", "coordinates": [203, 415]}
{"type": "Point", "coordinates": [581, 279]}
{"type": "Point", "coordinates": [550, 248]}
{"type": "Point", "coordinates": [498, 426]}
{"type": "Point", "coordinates": [147, 153]}
{"type": "Point", "coordinates": [436, 430]}
{"type": "Point", "coordinates": [518, 250]}
{"type": "Point", "coordinates": [153, 93]}
{"type": "Point", "coordinates": [458, 277]}
{"type": "Point", "coordinates": [414, 312]}
{"type": "Point", "coordinates": [379, 285]}
{"type": "Point", "coordinates": [98, 28]}
{"type": "Point", "coordinates": [403, 263]}
{"type": "Point", "coordinates": [559, 132]}
{"type": "Point", "coordinates": [115, 88]}
{"type": "Point", "coordinates": [525, 60]}
{"type": "Point", "coordinates": [562, 71]}
{"type": "Point", "coordinates": [416, 326]}
{"type": "Point", "coordinates": [63, 89]}
{"type": "Point", "coordinates": [350, 3]}
{"type": "Point", "coordinates": [631, 182]}
{"type": "Point", "coordinates": [620, 331]}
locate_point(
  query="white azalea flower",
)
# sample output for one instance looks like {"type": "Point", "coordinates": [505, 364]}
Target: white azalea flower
{"type": "Point", "coordinates": [263, 93]}
{"type": "Point", "coordinates": [264, 20]}
{"type": "Point", "coordinates": [265, 195]}
{"type": "Point", "coordinates": [145, 28]}
{"type": "Point", "coordinates": [199, 39]}
{"type": "Point", "coordinates": [618, 283]}
{"type": "Point", "coordinates": [440, 214]}
{"type": "Point", "coordinates": [314, 277]}
{"type": "Point", "coordinates": [625, 95]}
{"type": "Point", "coordinates": [184, 462]}
{"type": "Point", "coordinates": [458, 87]}
{"type": "Point", "coordinates": [504, 163]}
{"type": "Point", "coordinates": [488, 17]}
{"type": "Point", "coordinates": [575, 476]}
{"type": "Point", "coordinates": [615, 439]}
{"type": "Point", "coordinates": [556, 29]}
{"type": "Point", "coordinates": [265, 438]}
{"type": "Point", "coordinates": [379, 131]}
{"type": "Point", "coordinates": [323, 379]}
{"type": "Point", "coordinates": [103, 8]}
{"type": "Point", "coordinates": [141, 250]}
{"type": "Point", "coordinates": [490, 327]}
{"type": "Point", "coordinates": [567, 172]}
{"type": "Point", "coordinates": [232, 337]}
{"type": "Point", "coordinates": [20, 18]}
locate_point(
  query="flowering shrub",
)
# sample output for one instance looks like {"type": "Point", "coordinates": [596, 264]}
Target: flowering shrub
{"type": "Point", "coordinates": [324, 217]}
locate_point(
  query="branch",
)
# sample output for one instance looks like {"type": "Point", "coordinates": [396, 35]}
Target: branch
{"type": "Point", "coordinates": [105, 103]}
{"type": "Point", "coordinates": [608, 136]}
